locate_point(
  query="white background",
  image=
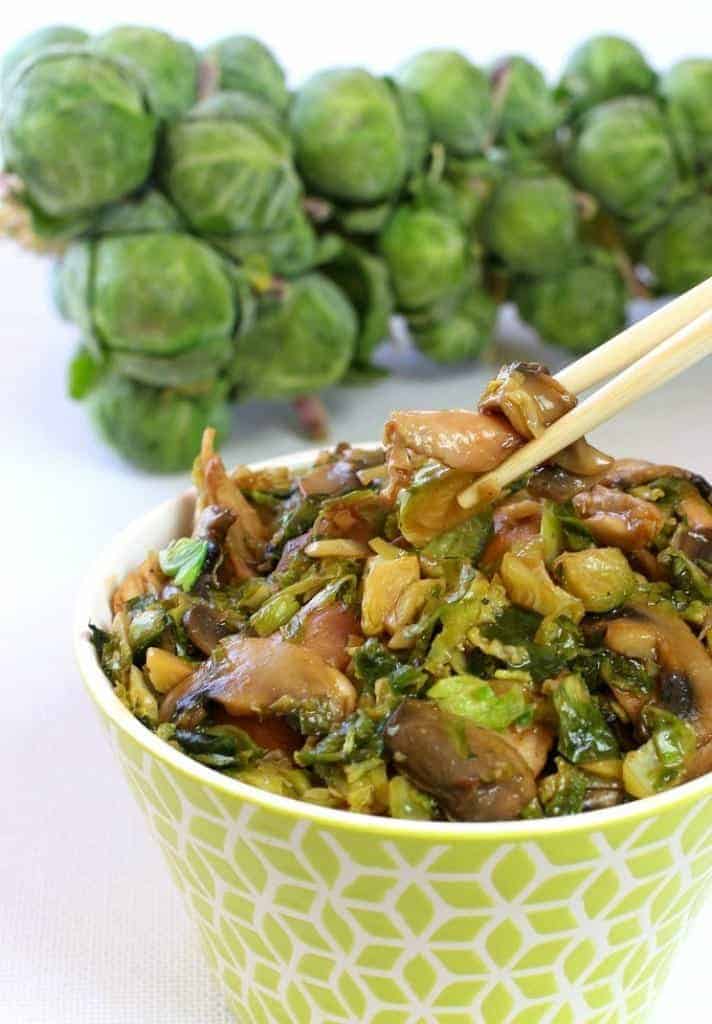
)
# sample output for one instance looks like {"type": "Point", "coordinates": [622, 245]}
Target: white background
{"type": "Point", "coordinates": [90, 929]}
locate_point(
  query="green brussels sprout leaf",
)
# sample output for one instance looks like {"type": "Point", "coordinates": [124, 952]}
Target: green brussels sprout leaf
{"type": "Point", "coordinates": [166, 67]}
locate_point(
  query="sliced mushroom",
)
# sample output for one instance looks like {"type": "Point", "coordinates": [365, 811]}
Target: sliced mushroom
{"type": "Point", "coordinates": [473, 773]}
{"type": "Point", "coordinates": [204, 628]}
{"type": "Point", "coordinates": [249, 675]}
{"type": "Point", "coordinates": [290, 551]}
{"type": "Point", "coordinates": [617, 519]}
{"type": "Point", "coordinates": [555, 483]}
{"type": "Point", "coordinates": [533, 744]}
{"type": "Point", "coordinates": [473, 442]}
{"type": "Point", "coordinates": [326, 631]}
{"type": "Point", "coordinates": [330, 478]}
{"type": "Point", "coordinates": [213, 522]}
{"type": "Point", "coordinates": [695, 539]}
{"type": "Point", "coordinates": [634, 472]}
{"type": "Point", "coordinates": [245, 538]}
{"type": "Point", "coordinates": [528, 396]}
{"type": "Point", "coordinates": [516, 522]}
{"type": "Point", "coordinates": [582, 459]}
{"type": "Point", "coordinates": [685, 679]}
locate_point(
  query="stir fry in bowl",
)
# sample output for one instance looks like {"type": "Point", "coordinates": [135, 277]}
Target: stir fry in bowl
{"type": "Point", "coordinates": [350, 636]}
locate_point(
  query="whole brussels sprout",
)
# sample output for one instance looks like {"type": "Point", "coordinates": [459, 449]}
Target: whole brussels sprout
{"type": "Point", "coordinates": [364, 280]}
{"type": "Point", "coordinates": [456, 98]}
{"type": "Point", "coordinates": [302, 340]}
{"type": "Point", "coordinates": [160, 306]}
{"type": "Point", "coordinates": [427, 255]}
{"type": "Point", "coordinates": [76, 131]}
{"type": "Point", "coordinates": [166, 67]}
{"type": "Point", "coordinates": [687, 88]}
{"type": "Point", "coordinates": [603, 68]}
{"type": "Point", "coordinates": [624, 155]}
{"type": "Point", "coordinates": [680, 252]}
{"type": "Point", "coordinates": [460, 332]}
{"type": "Point", "coordinates": [289, 250]}
{"type": "Point", "coordinates": [246, 65]}
{"type": "Point", "coordinates": [524, 104]}
{"type": "Point", "coordinates": [578, 308]}
{"type": "Point", "coordinates": [229, 170]}
{"type": "Point", "coordinates": [150, 211]}
{"type": "Point", "coordinates": [349, 136]}
{"type": "Point", "coordinates": [36, 42]}
{"type": "Point", "coordinates": [531, 223]}
{"type": "Point", "coordinates": [155, 428]}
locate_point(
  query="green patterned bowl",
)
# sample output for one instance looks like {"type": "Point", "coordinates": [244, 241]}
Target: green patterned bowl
{"type": "Point", "coordinates": [315, 916]}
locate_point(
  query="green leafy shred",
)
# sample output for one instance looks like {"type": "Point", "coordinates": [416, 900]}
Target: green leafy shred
{"type": "Point", "coordinates": [661, 762]}
{"type": "Point", "coordinates": [475, 699]}
{"type": "Point", "coordinates": [627, 674]}
{"type": "Point", "coordinates": [183, 560]}
{"type": "Point", "coordinates": [564, 791]}
{"type": "Point", "coordinates": [373, 661]}
{"type": "Point", "coordinates": [583, 732]}
{"type": "Point", "coordinates": [357, 738]}
{"type": "Point", "coordinates": [407, 801]}
{"type": "Point", "coordinates": [220, 746]}
{"type": "Point", "coordinates": [468, 540]}
{"type": "Point", "coordinates": [147, 620]}
{"type": "Point", "coordinates": [674, 741]}
{"type": "Point", "coordinates": [687, 576]}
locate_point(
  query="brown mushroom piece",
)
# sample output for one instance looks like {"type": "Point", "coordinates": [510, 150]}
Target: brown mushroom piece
{"type": "Point", "coordinates": [515, 523]}
{"type": "Point", "coordinates": [245, 538]}
{"type": "Point", "coordinates": [326, 631]}
{"type": "Point", "coordinates": [213, 522]}
{"type": "Point", "coordinates": [250, 675]}
{"type": "Point", "coordinates": [528, 396]}
{"type": "Point", "coordinates": [204, 628]}
{"type": "Point", "coordinates": [582, 459]}
{"type": "Point", "coordinates": [555, 483]}
{"type": "Point", "coordinates": [474, 442]}
{"type": "Point", "coordinates": [330, 478]}
{"type": "Point", "coordinates": [533, 744]}
{"type": "Point", "coordinates": [634, 472]}
{"type": "Point", "coordinates": [617, 519]}
{"type": "Point", "coordinates": [695, 539]}
{"type": "Point", "coordinates": [473, 773]}
{"type": "Point", "coordinates": [685, 679]}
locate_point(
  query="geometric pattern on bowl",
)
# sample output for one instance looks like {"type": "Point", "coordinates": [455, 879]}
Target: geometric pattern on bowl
{"type": "Point", "coordinates": [309, 922]}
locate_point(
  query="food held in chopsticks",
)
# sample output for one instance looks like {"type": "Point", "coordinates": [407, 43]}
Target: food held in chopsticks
{"type": "Point", "coordinates": [350, 635]}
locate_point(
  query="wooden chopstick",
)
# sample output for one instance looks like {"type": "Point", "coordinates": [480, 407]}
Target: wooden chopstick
{"type": "Point", "coordinates": [636, 341]}
{"type": "Point", "coordinates": [665, 361]}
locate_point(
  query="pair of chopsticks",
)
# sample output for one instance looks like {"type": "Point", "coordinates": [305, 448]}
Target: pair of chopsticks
{"type": "Point", "coordinates": [649, 353]}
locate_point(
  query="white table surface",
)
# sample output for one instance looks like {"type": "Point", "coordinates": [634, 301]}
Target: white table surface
{"type": "Point", "coordinates": [91, 931]}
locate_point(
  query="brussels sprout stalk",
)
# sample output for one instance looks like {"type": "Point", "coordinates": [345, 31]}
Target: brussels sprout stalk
{"type": "Point", "coordinates": [312, 417]}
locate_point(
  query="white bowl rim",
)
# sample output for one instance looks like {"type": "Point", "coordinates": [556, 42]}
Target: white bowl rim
{"type": "Point", "coordinates": [103, 694]}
